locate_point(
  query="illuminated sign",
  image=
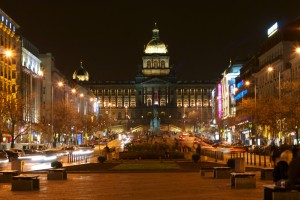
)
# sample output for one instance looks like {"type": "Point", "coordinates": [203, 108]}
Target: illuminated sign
{"type": "Point", "coordinates": [241, 94]}
{"type": "Point", "coordinates": [240, 84]}
{"type": "Point", "coordinates": [273, 29]}
{"type": "Point", "coordinates": [219, 101]}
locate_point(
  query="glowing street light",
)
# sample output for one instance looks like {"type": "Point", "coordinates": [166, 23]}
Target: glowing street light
{"type": "Point", "coordinates": [8, 53]}
{"type": "Point", "coordinates": [270, 69]}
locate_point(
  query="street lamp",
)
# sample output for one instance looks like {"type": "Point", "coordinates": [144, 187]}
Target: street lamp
{"type": "Point", "coordinates": [126, 117]}
{"type": "Point", "coordinates": [7, 53]}
{"type": "Point", "coordinates": [184, 107]}
{"type": "Point", "coordinates": [270, 69]}
{"type": "Point", "coordinates": [247, 83]}
{"type": "Point", "coordinates": [59, 84]}
{"type": "Point", "coordinates": [109, 114]}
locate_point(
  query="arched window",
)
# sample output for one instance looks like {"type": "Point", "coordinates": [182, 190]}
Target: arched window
{"type": "Point", "coordinates": [148, 64]}
{"type": "Point", "coordinates": [179, 103]}
{"type": "Point", "coordinates": [162, 102]}
{"type": "Point", "coordinates": [163, 64]}
{"type": "Point", "coordinates": [149, 102]}
{"type": "Point", "coordinates": [155, 64]}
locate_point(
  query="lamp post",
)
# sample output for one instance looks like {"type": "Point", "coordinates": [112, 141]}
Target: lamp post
{"type": "Point", "coordinates": [126, 117]}
{"type": "Point", "coordinates": [270, 69]}
{"type": "Point", "coordinates": [59, 84]}
{"type": "Point", "coordinates": [52, 118]}
{"type": "Point", "coordinates": [247, 83]}
{"type": "Point", "coordinates": [184, 107]}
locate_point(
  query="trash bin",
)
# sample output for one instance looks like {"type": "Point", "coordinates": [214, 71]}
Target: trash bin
{"type": "Point", "coordinates": [16, 164]}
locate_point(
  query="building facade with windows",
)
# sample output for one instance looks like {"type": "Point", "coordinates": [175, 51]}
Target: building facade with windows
{"type": "Point", "coordinates": [155, 86]}
{"type": "Point", "coordinates": [9, 64]}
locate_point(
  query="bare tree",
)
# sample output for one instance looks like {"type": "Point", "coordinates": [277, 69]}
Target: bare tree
{"type": "Point", "coordinates": [11, 117]}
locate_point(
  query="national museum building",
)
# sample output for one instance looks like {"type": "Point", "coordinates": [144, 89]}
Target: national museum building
{"type": "Point", "coordinates": [155, 87]}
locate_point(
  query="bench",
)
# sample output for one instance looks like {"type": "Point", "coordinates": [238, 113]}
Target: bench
{"type": "Point", "coordinates": [6, 175]}
{"type": "Point", "coordinates": [57, 174]}
{"type": "Point", "coordinates": [222, 172]}
{"type": "Point", "coordinates": [25, 183]}
{"type": "Point", "coordinates": [242, 180]}
{"type": "Point", "coordinates": [205, 169]}
{"type": "Point", "coordinates": [266, 173]}
{"type": "Point", "coordinates": [272, 192]}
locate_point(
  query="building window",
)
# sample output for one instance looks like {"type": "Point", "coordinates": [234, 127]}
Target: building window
{"type": "Point", "coordinates": [155, 64]}
{"type": "Point", "coordinates": [149, 102]}
{"type": "Point", "coordinates": [163, 64]}
{"type": "Point", "coordinates": [179, 103]}
{"type": "Point", "coordinates": [119, 103]}
{"type": "Point", "coordinates": [192, 103]}
{"type": "Point", "coordinates": [132, 103]}
{"type": "Point", "coordinates": [148, 64]}
{"type": "Point", "coordinates": [162, 102]}
{"type": "Point", "coordinates": [179, 92]}
{"type": "Point", "coordinates": [113, 92]}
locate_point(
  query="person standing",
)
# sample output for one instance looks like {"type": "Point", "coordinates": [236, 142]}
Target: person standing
{"type": "Point", "coordinates": [294, 170]}
{"type": "Point", "coordinates": [280, 172]}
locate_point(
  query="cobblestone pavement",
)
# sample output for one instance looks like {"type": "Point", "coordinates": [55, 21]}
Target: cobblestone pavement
{"type": "Point", "coordinates": [132, 186]}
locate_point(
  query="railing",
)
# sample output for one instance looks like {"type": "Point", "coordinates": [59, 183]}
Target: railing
{"type": "Point", "coordinates": [74, 157]}
{"type": "Point", "coordinates": [250, 158]}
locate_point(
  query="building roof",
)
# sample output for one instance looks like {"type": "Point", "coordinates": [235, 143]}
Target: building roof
{"type": "Point", "coordinates": [81, 74]}
{"type": "Point", "coordinates": [156, 46]}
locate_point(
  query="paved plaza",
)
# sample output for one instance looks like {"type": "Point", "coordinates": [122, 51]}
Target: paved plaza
{"type": "Point", "coordinates": [131, 186]}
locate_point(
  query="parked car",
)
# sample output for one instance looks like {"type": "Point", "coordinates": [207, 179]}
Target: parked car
{"type": "Point", "coordinates": [11, 154]}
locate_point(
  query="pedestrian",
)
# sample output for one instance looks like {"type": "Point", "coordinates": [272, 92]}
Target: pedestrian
{"type": "Point", "coordinates": [293, 171]}
{"type": "Point", "coordinates": [280, 173]}
{"type": "Point", "coordinates": [274, 153]}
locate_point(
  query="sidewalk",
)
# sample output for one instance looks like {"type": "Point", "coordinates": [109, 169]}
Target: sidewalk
{"type": "Point", "coordinates": [136, 186]}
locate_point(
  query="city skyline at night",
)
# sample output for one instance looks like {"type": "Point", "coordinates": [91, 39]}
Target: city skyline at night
{"type": "Point", "coordinates": [201, 39]}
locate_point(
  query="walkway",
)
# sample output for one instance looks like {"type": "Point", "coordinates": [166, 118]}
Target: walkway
{"type": "Point", "coordinates": [135, 186]}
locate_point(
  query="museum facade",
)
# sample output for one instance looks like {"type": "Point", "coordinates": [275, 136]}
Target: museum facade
{"type": "Point", "coordinates": [178, 102]}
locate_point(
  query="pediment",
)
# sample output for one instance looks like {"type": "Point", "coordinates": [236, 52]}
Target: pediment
{"type": "Point", "coordinates": [155, 81]}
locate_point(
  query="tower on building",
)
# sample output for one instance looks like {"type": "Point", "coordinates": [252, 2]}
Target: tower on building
{"type": "Point", "coordinates": [81, 74]}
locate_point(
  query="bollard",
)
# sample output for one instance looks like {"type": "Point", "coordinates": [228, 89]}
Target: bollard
{"type": "Point", "coordinates": [247, 158]}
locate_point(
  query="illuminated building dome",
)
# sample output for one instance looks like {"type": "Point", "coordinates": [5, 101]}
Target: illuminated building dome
{"type": "Point", "coordinates": [81, 74]}
{"type": "Point", "coordinates": [156, 46]}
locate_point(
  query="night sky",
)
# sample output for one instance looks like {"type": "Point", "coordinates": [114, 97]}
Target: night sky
{"type": "Point", "coordinates": [109, 36]}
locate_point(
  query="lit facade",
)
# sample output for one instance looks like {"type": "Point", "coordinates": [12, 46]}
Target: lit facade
{"type": "Point", "coordinates": [156, 86]}
{"type": "Point", "coordinates": [76, 100]}
{"type": "Point", "coordinates": [9, 65]}
{"type": "Point", "coordinates": [31, 88]}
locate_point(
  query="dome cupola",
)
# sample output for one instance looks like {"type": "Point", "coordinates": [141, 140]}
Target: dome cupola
{"type": "Point", "coordinates": [156, 46]}
{"type": "Point", "coordinates": [81, 74]}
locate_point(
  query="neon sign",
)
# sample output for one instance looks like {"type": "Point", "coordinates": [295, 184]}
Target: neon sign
{"type": "Point", "coordinates": [273, 29]}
